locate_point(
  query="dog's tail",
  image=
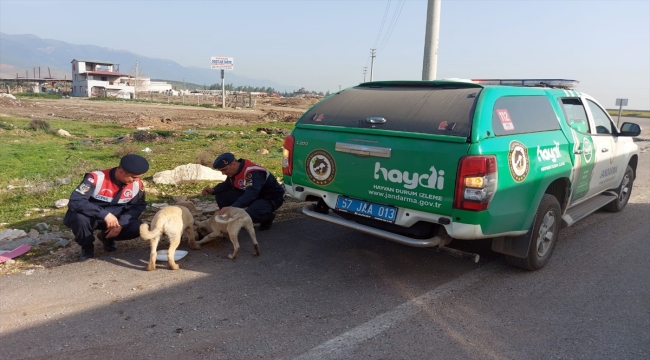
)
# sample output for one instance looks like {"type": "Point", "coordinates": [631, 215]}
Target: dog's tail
{"type": "Point", "coordinates": [148, 235]}
{"type": "Point", "coordinates": [220, 220]}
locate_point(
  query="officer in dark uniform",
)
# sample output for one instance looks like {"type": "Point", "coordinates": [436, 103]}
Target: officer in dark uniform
{"type": "Point", "coordinates": [249, 186]}
{"type": "Point", "coordinates": [110, 200]}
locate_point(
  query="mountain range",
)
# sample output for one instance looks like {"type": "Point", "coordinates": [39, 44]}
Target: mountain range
{"type": "Point", "coordinates": [21, 53]}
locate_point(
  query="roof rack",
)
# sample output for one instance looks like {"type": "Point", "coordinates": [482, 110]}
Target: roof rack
{"type": "Point", "coordinates": [552, 83]}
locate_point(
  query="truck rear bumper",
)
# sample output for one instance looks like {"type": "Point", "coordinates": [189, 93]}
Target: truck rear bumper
{"type": "Point", "coordinates": [454, 229]}
{"type": "Point", "coordinates": [434, 241]}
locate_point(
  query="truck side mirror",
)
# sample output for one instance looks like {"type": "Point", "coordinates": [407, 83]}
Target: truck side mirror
{"type": "Point", "coordinates": [630, 129]}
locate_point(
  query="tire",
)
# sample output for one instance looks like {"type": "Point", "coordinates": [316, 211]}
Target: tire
{"type": "Point", "coordinates": [623, 192]}
{"type": "Point", "coordinates": [543, 235]}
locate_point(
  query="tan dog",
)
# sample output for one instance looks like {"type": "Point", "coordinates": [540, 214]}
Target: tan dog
{"type": "Point", "coordinates": [171, 221]}
{"type": "Point", "coordinates": [229, 223]}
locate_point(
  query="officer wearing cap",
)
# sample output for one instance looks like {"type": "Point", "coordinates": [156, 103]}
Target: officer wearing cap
{"type": "Point", "coordinates": [110, 201]}
{"type": "Point", "coordinates": [249, 186]}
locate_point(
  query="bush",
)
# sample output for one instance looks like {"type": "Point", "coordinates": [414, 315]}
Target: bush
{"type": "Point", "coordinates": [205, 158]}
{"type": "Point", "coordinates": [144, 136]}
{"type": "Point", "coordinates": [125, 150]}
{"type": "Point", "coordinates": [38, 95]}
{"type": "Point", "coordinates": [37, 125]}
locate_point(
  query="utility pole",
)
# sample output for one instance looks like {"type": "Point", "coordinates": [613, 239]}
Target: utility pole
{"type": "Point", "coordinates": [365, 68]}
{"type": "Point", "coordinates": [339, 87]}
{"type": "Point", "coordinates": [183, 83]}
{"type": "Point", "coordinates": [430, 62]}
{"type": "Point", "coordinates": [135, 88]}
{"type": "Point", "coordinates": [223, 90]}
{"type": "Point", "coordinates": [372, 61]}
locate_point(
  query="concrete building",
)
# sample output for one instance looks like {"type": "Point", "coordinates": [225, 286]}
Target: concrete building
{"type": "Point", "coordinates": [146, 85]}
{"type": "Point", "coordinates": [100, 78]}
{"type": "Point", "coordinates": [92, 78]}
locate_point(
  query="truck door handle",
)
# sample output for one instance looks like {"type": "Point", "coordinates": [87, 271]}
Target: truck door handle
{"type": "Point", "coordinates": [604, 150]}
{"type": "Point", "coordinates": [376, 120]}
{"type": "Point", "coordinates": [363, 150]}
{"type": "Point", "coordinates": [577, 151]}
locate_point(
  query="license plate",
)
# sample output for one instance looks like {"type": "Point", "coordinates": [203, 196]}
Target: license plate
{"type": "Point", "coordinates": [367, 209]}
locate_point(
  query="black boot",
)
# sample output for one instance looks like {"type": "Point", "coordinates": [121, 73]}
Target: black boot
{"type": "Point", "coordinates": [87, 252]}
{"type": "Point", "coordinates": [266, 224]}
{"type": "Point", "coordinates": [109, 244]}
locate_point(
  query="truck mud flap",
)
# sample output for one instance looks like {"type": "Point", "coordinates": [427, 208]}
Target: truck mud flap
{"type": "Point", "coordinates": [310, 211]}
{"type": "Point", "coordinates": [516, 246]}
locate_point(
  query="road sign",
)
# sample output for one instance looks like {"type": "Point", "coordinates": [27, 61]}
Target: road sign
{"type": "Point", "coordinates": [620, 103]}
{"type": "Point", "coordinates": [222, 63]}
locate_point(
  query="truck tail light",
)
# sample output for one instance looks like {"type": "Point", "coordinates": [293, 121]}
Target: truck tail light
{"type": "Point", "coordinates": [287, 155]}
{"type": "Point", "coordinates": [476, 182]}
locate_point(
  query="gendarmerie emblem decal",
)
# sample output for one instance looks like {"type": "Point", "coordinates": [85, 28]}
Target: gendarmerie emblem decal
{"type": "Point", "coordinates": [518, 161]}
{"type": "Point", "coordinates": [587, 150]}
{"type": "Point", "coordinates": [320, 167]}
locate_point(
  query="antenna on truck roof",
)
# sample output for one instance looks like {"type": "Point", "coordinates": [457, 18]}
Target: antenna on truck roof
{"type": "Point", "coordinates": [552, 83]}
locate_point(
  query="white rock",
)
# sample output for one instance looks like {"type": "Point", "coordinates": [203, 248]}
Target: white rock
{"type": "Point", "coordinates": [61, 203]}
{"type": "Point", "coordinates": [41, 226]}
{"type": "Point", "coordinates": [188, 172]}
{"type": "Point", "coordinates": [62, 132]}
{"type": "Point", "coordinates": [11, 234]}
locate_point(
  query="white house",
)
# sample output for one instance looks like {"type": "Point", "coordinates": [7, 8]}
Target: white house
{"type": "Point", "coordinates": [100, 78]}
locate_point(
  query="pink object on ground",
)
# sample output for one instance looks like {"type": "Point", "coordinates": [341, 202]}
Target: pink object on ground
{"type": "Point", "coordinates": [14, 253]}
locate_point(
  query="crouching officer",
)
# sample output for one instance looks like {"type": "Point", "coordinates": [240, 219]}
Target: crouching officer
{"type": "Point", "coordinates": [110, 200]}
{"type": "Point", "coordinates": [249, 186]}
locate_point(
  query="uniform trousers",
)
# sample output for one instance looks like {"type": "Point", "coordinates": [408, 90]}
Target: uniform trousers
{"type": "Point", "coordinates": [83, 226]}
{"type": "Point", "coordinates": [260, 210]}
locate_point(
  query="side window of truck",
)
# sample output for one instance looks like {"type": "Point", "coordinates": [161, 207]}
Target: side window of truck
{"type": "Point", "coordinates": [575, 114]}
{"type": "Point", "coordinates": [523, 114]}
{"type": "Point", "coordinates": [603, 125]}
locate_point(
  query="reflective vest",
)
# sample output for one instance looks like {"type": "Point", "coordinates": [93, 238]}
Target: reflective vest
{"type": "Point", "coordinates": [106, 190]}
{"type": "Point", "coordinates": [245, 178]}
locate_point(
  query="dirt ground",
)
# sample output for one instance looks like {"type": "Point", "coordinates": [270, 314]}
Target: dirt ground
{"type": "Point", "coordinates": [158, 116]}
{"type": "Point", "coordinates": [150, 116]}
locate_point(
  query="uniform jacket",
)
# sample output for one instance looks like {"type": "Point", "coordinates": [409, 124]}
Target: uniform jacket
{"type": "Point", "coordinates": [257, 183]}
{"type": "Point", "coordinates": [100, 194]}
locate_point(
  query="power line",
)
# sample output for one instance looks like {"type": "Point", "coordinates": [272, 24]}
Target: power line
{"type": "Point", "coordinates": [391, 27]}
{"type": "Point", "coordinates": [381, 28]}
{"type": "Point", "coordinates": [382, 24]}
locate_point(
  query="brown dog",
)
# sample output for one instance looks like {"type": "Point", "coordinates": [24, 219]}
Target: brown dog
{"type": "Point", "coordinates": [229, 223]}
{"type": "Point", "coordinates": [172, 221]}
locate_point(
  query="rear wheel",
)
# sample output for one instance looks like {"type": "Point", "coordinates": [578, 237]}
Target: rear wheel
{"type": "Point", "coordinates": [623, 192]}
{"type": "Point", "coordinates": [542, 235]}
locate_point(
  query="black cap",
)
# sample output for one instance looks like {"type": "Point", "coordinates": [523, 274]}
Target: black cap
{"type": "Point", "coordinates": [134, 164]}
{"type": "Point", "coordinates": [223, 160]}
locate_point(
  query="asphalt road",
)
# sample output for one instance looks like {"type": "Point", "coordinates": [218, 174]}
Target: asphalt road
{"type": "Point", "coordinates": [324, 292]}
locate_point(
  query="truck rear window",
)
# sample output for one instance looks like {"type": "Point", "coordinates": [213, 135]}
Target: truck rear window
{"type": "Point", "coordinates": [523, 114]}
{"type": "Point", "coordinates": [443, 110]}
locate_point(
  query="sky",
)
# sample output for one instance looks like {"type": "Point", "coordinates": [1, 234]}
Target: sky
{"type": "Point", "coordinates": [325, 45]}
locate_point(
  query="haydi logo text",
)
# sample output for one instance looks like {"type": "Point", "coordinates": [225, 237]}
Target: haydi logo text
{"type": "Point", "coordinates": [434, 180]}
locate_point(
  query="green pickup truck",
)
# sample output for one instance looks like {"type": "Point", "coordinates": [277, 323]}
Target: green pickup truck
{"type": "Point", "coordinates": [425, 162]}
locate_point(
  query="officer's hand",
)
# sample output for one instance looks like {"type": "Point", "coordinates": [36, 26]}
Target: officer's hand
{"type": "Point", "coordinates": [113, 232]}
{"type": "Point", "coordinates": [223, 210]}
{"type": "Point", "coordinates": [111, 221]}
{"type": "Point", "coordinates": [207, 191]}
